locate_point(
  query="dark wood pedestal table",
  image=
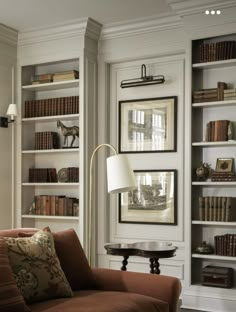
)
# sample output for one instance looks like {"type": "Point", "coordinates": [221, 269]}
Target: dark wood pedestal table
{"type": "Point", "coordinates": [153, 250]}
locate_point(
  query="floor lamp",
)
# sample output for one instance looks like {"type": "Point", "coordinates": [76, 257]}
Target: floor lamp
{"type": "Point", "coordinates": [120, 178]}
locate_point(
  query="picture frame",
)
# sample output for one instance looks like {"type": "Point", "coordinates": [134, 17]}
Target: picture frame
{"type": "Point", "coordinates": [148, 125]}
{"type": "Point", "coordinates": [224, 165]}
{"type": "Point", "coordinates": [154, 201]}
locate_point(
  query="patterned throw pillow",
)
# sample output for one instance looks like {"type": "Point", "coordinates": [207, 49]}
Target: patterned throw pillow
{"type": "Point", "coordinates": [36, 267]}
{"type": "Point", "coordinates": [11, 299]}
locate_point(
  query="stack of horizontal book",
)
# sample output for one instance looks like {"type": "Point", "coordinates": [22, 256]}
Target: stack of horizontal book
{"type": "Point", "coordinates": [205, 95]}
{"type": "Point", "coordinates": [225, 245]}
{"type": "Point", "coordinates": [52, 205]}
{"type": "Point", "coordinates": [44, 78]}
{"type": "Point", "coordinates": [230, 94]}
{"type": "Point", "coordinates": [210, 95]}
{"type": "Point", "coordinates": [42, 175]}
{"type": "Point", "coordinates": [46, 140]}
{"type": "Point", "coordinates": [218, 130]}
{"type": "Point", "coordinates": [215, 208]}
{"type": "Point", "coordinates": [66, 75]}
{"type": "Point", "coordinates": [216, 51]}
{"type": "Point", "coordinates": [223, 176]}
{"type": "Point", "coordinates": [52, 107]}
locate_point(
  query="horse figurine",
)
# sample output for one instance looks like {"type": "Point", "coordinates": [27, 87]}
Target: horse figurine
{"type": "Point", "coordinates": [68, 131]}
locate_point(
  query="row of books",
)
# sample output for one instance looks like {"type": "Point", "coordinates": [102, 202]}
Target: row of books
{"type": "Point", "coordinates": [51, 205]}
{"type": "Point", "coordinates": [216, 51]}
{"type": "Point", "coordinates": [215, 208]}
{"type": "Point", "coordinates": [52, 107]}
{"type": "Point", "coordinates": [218, 130]}
{"type": "Point", "coordinates": [60, 76]}
{"type": "Point", "coordinates": [225, 245]}
{"type": "Point", "coordinates": [42, 175]}
{"type": "Point", "coordinates": [46, 140]}
{"type": "Point", "coordinates": [49, 175]}
{"type": "Point", "coordinates": [210, 95]}
{"type": "Point", "coordinates": [230, 94]}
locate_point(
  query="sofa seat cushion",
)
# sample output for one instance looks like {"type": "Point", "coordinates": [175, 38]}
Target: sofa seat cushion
{"type": "Point", "coordinates": [102, 301]}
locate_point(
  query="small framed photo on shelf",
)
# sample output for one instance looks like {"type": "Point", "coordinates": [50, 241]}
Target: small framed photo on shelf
{"type": "Point", "coordinates": [224, 165]}
{"type": "Point", "coordinates": [154, 201]}
{"type": "Point", "coordinates": [148, 125]}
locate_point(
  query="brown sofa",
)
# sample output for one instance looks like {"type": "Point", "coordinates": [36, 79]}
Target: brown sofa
{"type": "Point", "coordinates": [104, 290]}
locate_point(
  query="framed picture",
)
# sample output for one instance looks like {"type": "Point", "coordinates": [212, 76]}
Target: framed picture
{"type": "Point", "coordinates": [154, 200]}
{"type": "Point", "coordinates": [224, 164]}
{"type": "Point", "coordinates": [148, 125]}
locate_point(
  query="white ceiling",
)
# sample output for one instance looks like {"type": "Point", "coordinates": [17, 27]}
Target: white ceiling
{"type": "Point", "coordinates": [27, 14]}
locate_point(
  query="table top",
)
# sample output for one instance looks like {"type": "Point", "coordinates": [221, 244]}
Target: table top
{"type": "Point", "coordinates": [149, 249]}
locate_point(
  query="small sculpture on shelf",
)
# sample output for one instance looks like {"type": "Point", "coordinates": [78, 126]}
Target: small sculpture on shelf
{"type": "Point", "coordinates": [204, 248]}
{"type": "Point", "coordinates": [68, 131]}
{"type": "Point", "coordinates": [203, 172]}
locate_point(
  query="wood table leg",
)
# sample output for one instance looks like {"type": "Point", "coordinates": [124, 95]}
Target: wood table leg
{"type": "Point", "coordinates": [151, 260]}
{"type": "Point", "coordinates": [156, 266]}
{"type": "Point", "coordinates": [124, 263]}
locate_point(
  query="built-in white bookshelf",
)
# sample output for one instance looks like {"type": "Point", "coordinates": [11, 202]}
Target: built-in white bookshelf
{"type": "Point", "coordinates": [38, 194]}
{"type": "Point", "coordinates": [206, 75]}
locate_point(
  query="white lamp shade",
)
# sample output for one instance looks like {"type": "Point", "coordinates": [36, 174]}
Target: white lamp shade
{"type": "Point", "coordinates": [12, 110]}
{"type": "Point", "coordinates": [120, 176]}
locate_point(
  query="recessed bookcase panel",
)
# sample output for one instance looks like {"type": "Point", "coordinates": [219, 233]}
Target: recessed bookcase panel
{"type": "Point", "coordinates": [206, 75]}
{"type": "Point", "coordinates": [44, 158]}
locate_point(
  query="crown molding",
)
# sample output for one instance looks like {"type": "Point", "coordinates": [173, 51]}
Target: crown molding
{"type": "Point", "coordinates": [189, 7]}
{"type": "Point", "coordinates": [82, 27]}
{"type": "Point", "coordinates": [140, 26]}
{"type": "Point", "coordinates": [8, 35]}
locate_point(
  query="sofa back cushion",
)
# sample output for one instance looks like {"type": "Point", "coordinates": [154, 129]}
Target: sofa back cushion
{"type": "Point", "coordinates": [70, 253]}
{"type": "Point", "coordinates": [73, 260]}
{"type": "Point", "coordinates": [11, 299]}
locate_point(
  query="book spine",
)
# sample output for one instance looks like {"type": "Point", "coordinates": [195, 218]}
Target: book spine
{"type": "Point", "coordinates": [228, 209]}
{"type": "Point", "coordinates": [215, 208]}
{"type": "Point", "coordinates": [219, 205]}
{"type": "Point", "coordinates": [206, 208]}
{"type": "Point", "coordinates": [223, 209]}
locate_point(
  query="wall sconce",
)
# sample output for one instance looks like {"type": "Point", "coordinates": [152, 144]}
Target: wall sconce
{"type": "Point", "coordinates": [144, 80]}
{"type": "Point", "coordinates": [12, 108]}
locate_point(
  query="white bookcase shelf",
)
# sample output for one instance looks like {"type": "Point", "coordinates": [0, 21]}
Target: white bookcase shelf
{"type": "Point", "coordinates": [59, 184]}
{"type": "Point", "coordinates": [214, 104]}
{"type": "Point", "coordinates": [59, 85]}
{"type": "Point", "coordinates": [218, 184]}
{"type": "Point", "coordinates": [214, 257]}
{"type": "Point", "coordinates": [215, 144]}
{"type": "Point", "coordinates": [217, 64]}
{"type": "Point", "coordinates": [50, 118]}
{"type": "Point", "coordinates": [214, 223]}
{"type": "Point", "coordinates": [52, 151]}
{"type": "Point", "coordinates": [24, 216]}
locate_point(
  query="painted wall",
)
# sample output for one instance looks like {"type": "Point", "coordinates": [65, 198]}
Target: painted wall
{"type": "Point", "coordinates": [8, 38]}
{"type": "Point", "coordinates": [7, 60]}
